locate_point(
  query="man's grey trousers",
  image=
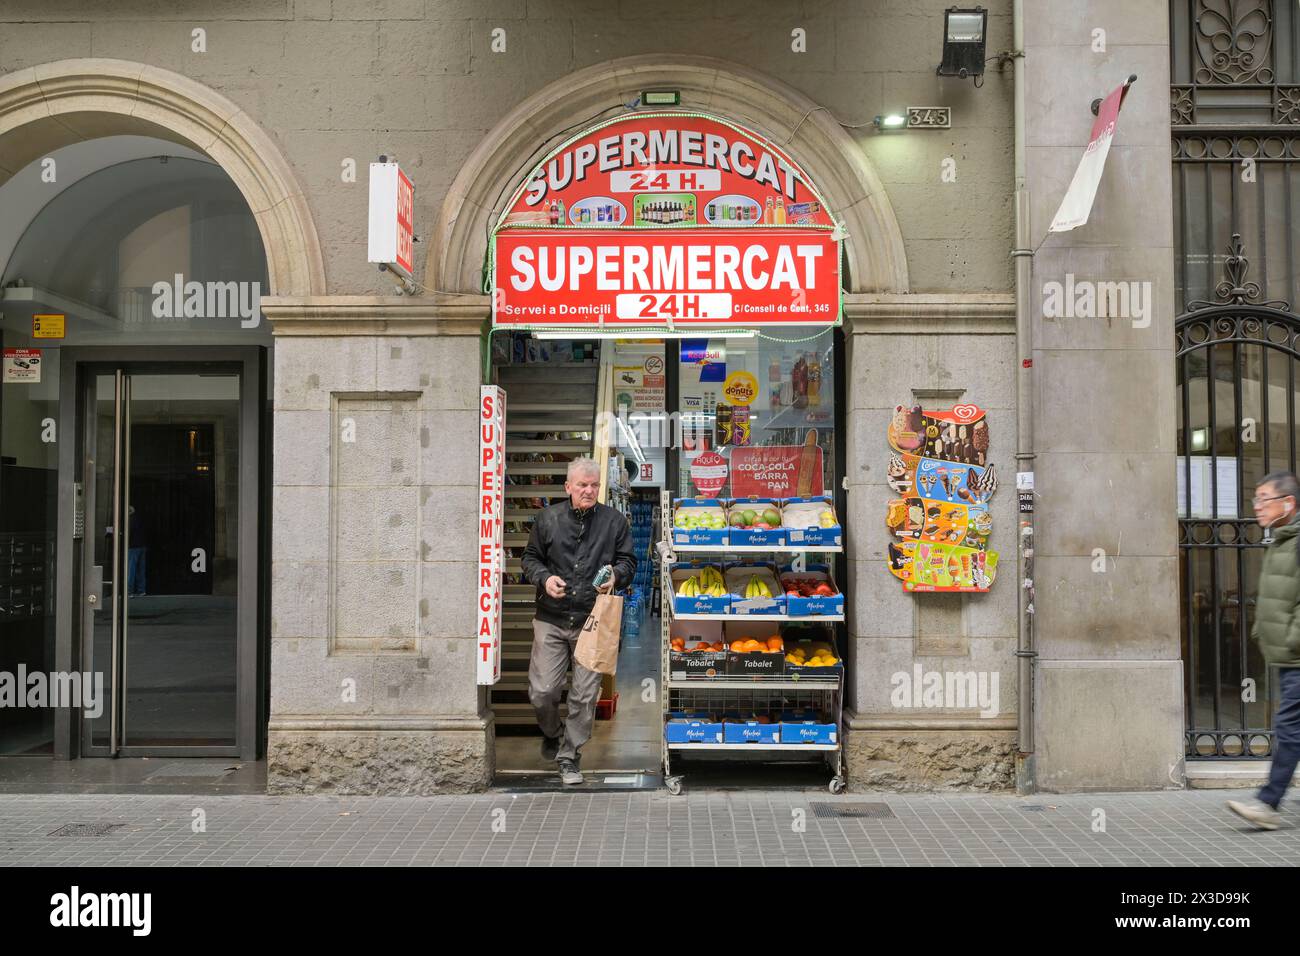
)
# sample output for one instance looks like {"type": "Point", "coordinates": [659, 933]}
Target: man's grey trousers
{"type": "Point", "coordinates": [553, 648]}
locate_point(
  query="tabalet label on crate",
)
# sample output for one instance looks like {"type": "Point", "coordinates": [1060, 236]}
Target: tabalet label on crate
{"type": "Point", "coordinates": [755, 664]}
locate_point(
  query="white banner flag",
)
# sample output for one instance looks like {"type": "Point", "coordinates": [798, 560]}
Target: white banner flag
{"type": "Point", "coordinates": [1077, 204]}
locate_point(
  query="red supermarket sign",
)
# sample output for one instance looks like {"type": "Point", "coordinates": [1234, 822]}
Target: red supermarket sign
{"type": "Point", "coordinates": [666, 218]}
{"type": "Point", "coordinates": [637, 278]}
{"type": "Point", "coordinates": [667, 169]}
{"type": "Point", "coordinates": [491, 514]}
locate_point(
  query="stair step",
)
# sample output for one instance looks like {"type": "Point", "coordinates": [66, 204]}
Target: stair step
{"type": "Point", "coordinates": [533, 491]}
{"type": "Point", "coordinates": [537, 468]}
{"type": "Point", "coordinates": [546, 407]}
{"type": "Point", "coordinates": [523, 446]}
{"type": "Point", "coordinates": [512, 713]}
{"type": "Point", "coordinates": [559, 426]}
{"type": "Point", "coordinates": [525, 375]}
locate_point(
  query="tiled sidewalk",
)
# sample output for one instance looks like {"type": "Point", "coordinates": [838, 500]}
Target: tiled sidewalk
{"type": "Point", "coordinates": [746, 828]}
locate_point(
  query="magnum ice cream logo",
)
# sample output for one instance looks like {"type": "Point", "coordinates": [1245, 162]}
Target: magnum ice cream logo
{"type": "Point", "coordinates": [940, 524]}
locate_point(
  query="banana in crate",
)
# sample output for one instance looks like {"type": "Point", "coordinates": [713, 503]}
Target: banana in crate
{"type": "Point", "coordinates": [754, 589]}
{"type": "Point", "coordinates": [699, 589]}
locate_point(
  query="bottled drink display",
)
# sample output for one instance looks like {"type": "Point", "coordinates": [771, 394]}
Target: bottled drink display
{"type": "Point", "coordinates": [799, 377]}
{"type": "Point", "coordinates": [814, 380]}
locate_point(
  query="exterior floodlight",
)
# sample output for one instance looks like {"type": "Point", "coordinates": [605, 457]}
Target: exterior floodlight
{"type": "Point", "coordinates": [890, 121]}
{"type": "Point", "coordinates": [964, 34]}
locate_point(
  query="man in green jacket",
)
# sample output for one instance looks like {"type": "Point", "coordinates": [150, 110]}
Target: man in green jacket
{"type": "Point", "coordinates": [1277, 629]}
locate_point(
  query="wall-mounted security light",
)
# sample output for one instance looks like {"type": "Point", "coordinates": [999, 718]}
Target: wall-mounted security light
{"type": "Point", "coordinates": [661, 98]}
{"type": "Point", "coordinates": [1200, 439]}
{"type": "Point", "coordinates": [964, 35]}
{"type": "Point", "coordinates": [890, 121]}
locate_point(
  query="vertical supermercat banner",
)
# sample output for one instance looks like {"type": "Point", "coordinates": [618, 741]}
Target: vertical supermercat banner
{"type": "Point", "coordinates": [491, 517]}
{"type": "Point", "coordinates": [665, 219]}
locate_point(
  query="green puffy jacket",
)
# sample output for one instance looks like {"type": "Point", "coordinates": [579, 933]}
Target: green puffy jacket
{"type": "Point", "coordinates": [1277, 621]}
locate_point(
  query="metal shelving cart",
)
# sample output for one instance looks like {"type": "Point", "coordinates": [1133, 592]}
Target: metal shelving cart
{"type": "Point", "coordinates": [753, 694]}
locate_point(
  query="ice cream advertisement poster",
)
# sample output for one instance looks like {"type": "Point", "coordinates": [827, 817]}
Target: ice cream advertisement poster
{"type": "Point", "coordinates": [940, 524]}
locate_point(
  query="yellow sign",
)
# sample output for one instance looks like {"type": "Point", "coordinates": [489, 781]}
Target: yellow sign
{"type": "Point", "coordinates": [740, 388]}
{"type": "Point", "coordinates": [48, 326]}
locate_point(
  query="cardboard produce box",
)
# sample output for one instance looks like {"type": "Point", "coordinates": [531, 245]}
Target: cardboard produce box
{"type": "Point", "coordinates": [756, 663]}
{"type": "Point", "coordinates": [807, 727]}
{"type": "Point", "coordinates": [743, 514]}
{"type": "Point", "coordinates": [692, 729]}
{"type": "Point", "coordinates": [798, 605]}
{"type": "Point", "coordinates": [683, 658]}
{"type": "Point", "coordinates": [701, 521]}
{"type": "Point", "coordinates": [738, 576]}
{"type": "Point", "coordinates": [815, 655]}
{"type": "Point", "coordinates": [701, 603]}
{"type": "Point", "coordinates": [805, 523]}
{"type": "Point", "coordinates": [750, 729]}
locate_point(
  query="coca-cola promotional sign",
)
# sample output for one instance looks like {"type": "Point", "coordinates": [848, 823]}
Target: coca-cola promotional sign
{"type": "Point", "coordinates": [776, 471]}
{"type": "Point", "coordinates": [666, 218]}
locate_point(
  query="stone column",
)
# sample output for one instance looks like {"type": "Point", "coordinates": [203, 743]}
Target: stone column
{"type": "Point", "coordinates": [1109, 707]}
{"type": "Point", "coordinates": [372, 547]}
{"type": "Point", "coordinates": [935, 350]}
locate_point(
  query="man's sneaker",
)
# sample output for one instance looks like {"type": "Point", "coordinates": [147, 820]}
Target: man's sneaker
{"type": "Point", "coordinates": [551, 747]}
{"type": "Point", "coordinates": [1257, 813]}
{"type": "Point", "coordinates": [569, 772]}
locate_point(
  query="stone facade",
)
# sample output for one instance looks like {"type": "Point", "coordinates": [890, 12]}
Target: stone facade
{"type": "Point", "coordinates": [372, 674]}
{"type": "Point", "coordinates": [931, 760]}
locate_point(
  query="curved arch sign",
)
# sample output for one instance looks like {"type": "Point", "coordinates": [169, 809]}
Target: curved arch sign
{"type": "Point", "coordinates": [662, 220]}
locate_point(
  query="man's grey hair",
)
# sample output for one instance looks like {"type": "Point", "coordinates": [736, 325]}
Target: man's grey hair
{"type": "Point", "coordinates": [1284, 483]}
{"type": "Point", "coordinates": [584, 466]}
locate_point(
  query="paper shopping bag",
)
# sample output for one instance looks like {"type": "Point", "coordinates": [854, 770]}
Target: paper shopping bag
{"type": "Point", "coordinates": [597, 648]}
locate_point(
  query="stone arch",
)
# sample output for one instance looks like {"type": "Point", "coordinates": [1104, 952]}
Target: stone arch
{"type": "Point", "coordinates": [874, 251]}
{"type": "Point", "coordinates": [45, 107]}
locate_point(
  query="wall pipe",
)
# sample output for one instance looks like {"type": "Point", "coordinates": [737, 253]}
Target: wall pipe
{"type": "Point", "coordinates": [1022, 255]}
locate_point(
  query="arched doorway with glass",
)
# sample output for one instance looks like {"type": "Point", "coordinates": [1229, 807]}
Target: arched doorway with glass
{"type": "Point", "coordinates": [131, 462]}
{"type": "Point", "coordinates": [1237, 386]}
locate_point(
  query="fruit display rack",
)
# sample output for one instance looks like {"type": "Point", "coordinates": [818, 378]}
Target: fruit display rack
{"type": "Point", "coordinates": [808, 699]}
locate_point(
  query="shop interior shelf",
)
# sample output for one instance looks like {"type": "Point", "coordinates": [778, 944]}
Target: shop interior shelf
{"type": "Point", "coordinates": [750, 548]}
{"type": "Point", "coordinates": [753, 746]}
{"type": "Point", "coordinates": [805, 619]}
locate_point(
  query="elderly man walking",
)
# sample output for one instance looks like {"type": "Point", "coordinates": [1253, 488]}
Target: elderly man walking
{"type": "Point", "coordinates": [1277, 629]}
{"type": "Point", "coordinates": [569, 544]}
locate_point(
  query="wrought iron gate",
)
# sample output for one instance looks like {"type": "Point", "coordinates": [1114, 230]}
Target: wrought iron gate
{"type": "Point", "coordinates": [1237, 376]}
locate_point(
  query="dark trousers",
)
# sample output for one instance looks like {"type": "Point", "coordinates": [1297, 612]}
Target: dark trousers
{"type": "Point", "coordinates": [1286, 737]}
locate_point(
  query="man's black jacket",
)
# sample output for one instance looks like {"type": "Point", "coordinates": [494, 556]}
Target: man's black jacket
{"type": "Point", "coordinates": [575, 545]}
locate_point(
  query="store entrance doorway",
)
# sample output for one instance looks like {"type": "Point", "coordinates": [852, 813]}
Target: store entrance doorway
{"type": "Point", "coordinates": [559, 396]}
{"type": "Point", "coordinates": [164, 548]}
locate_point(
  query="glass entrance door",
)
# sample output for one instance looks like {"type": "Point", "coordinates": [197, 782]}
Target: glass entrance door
{"type": "Point", "coordinates": [161, 466]}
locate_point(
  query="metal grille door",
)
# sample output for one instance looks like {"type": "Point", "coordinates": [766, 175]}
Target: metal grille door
{"type": "Point", "coordinates": [1236, 423]}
